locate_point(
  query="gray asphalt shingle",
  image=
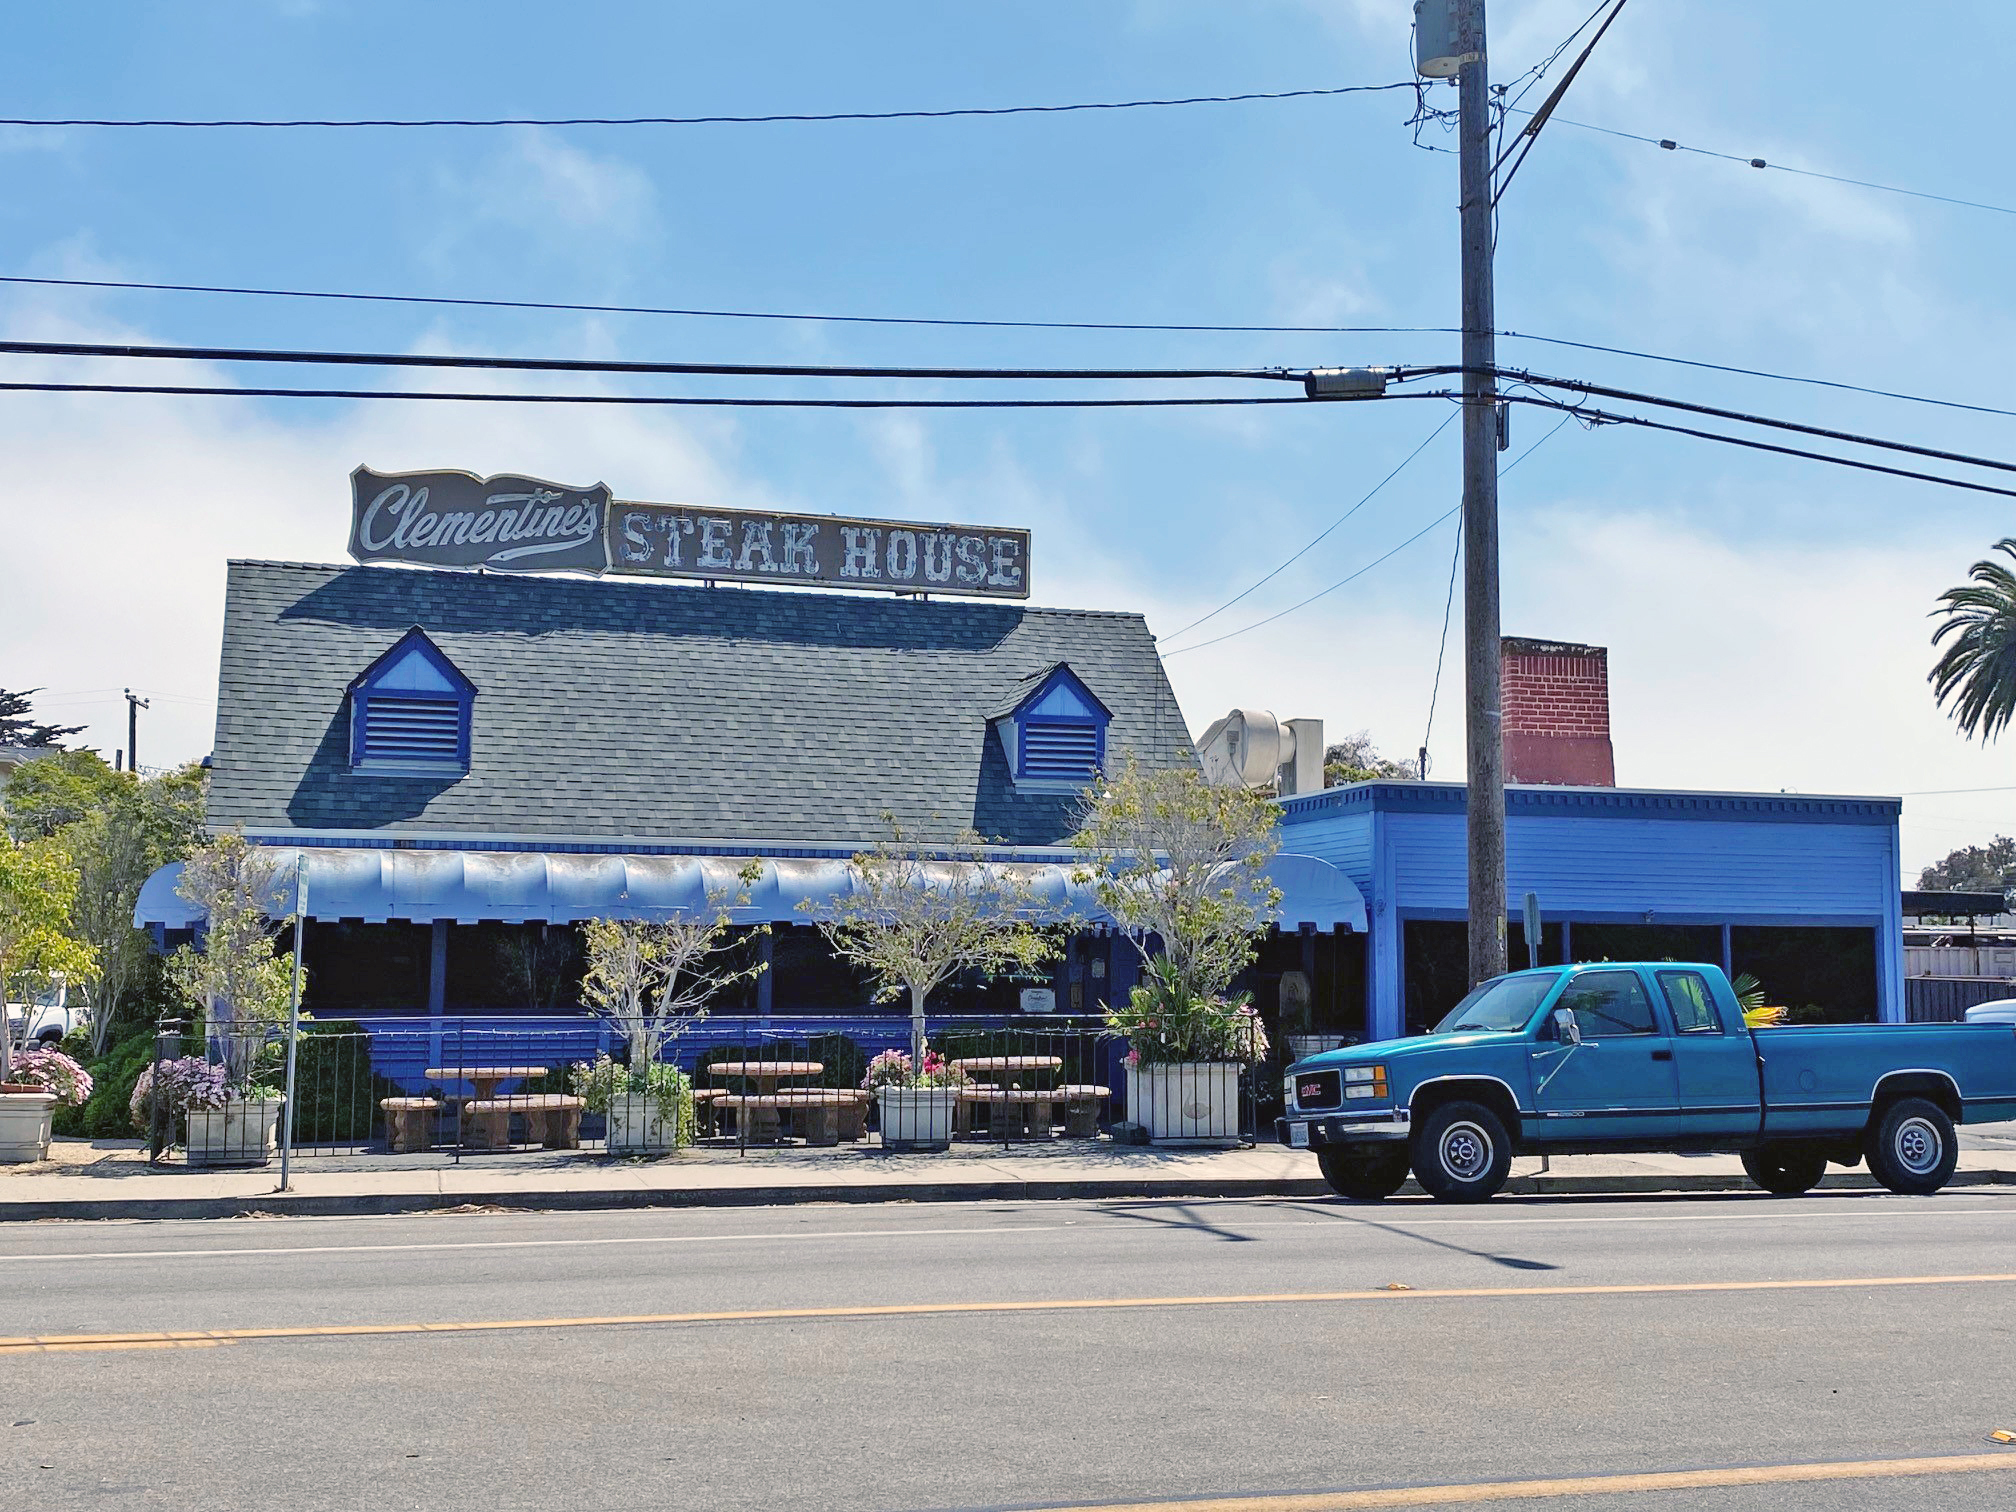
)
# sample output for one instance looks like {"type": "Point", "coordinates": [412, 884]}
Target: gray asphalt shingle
{"type": "Point", "coordinates": [654, 711]}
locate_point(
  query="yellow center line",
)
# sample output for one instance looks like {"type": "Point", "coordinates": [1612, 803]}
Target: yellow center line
{"type": "Point", "coordinates": [37, 1343]}
{"type": "Point", "coordinates": [1582, 1485]}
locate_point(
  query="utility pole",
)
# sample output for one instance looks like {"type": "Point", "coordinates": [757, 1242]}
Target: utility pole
{"type": "Point", "coordinates": [1481, 668]}
{"type": "Point", "coordinates": [134, 708]}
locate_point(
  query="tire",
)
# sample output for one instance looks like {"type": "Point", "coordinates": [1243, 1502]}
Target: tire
{"type": "Point", "coordinates": [1461, 1153]}
{"type": "Point", "coordinates": [1912, 1147]}
{"type": "Point", "coordinates": [1785, 1170]}
{"type": "Point", "coordinates": [1364, 1176]}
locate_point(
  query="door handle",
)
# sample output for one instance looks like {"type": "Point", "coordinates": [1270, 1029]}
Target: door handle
{"type": "Point", "coordinates": [1662, 1055]}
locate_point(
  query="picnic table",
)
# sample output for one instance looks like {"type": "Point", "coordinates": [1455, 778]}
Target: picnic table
{"type": "Point", "coordinates": [483, 1078]}
{"type": "Point", "coordinates": [1026, 1108]}
{"type": "Point", "coordinates": [482, 1132]}
{"type": "Point", "coordinates": [762, 1106]}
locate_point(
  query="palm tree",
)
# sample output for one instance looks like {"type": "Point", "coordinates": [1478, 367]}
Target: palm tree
{"type": "Point", "coordinates": [1978, 671]}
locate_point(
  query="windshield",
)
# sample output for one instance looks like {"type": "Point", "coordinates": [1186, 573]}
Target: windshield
{"type": "Point", "coordinates": [1503, 1004]}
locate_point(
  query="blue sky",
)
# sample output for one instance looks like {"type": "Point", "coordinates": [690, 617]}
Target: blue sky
{"type": "Point", "coordinates": [1766, 617]}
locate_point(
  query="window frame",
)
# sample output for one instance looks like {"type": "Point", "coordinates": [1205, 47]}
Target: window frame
{"type": "Point", "coordinates": [1714, 1024]}
{"type": "Point", "coordinates": [1654, 1030]}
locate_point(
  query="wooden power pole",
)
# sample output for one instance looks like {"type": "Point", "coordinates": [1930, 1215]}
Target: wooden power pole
{"type": "Point", "coordinates": [1481, 666]}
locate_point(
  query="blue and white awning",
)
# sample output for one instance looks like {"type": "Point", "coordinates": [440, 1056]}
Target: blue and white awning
{"type": "Point", "coordinates": [469, 887]}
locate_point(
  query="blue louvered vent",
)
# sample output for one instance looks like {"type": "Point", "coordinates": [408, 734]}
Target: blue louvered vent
{"type": "Point", "coordinates": [413, 729]}
{"type": "Point", "coordinates": [1060, 752]}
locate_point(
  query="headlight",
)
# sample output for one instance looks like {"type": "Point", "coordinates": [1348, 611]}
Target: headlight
{"type": "Point", "coordinates": [1364, 1081]}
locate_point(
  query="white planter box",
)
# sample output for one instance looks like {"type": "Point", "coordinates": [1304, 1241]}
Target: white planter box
{"type": "Point", "coordinates": [917, 1118]}
{"type": "Point", "coordinates": [239, 1133]}
{"type": "Point", "coordinates": [637, 1126]}
{"type": "Point", "coordinates": [24, 1126]}
{"type": "Point", "coordinates": [1186, 1103]}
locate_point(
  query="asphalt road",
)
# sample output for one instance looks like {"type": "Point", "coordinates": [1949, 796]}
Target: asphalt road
{"type": "Point", "coordinates": [1525, 1341]}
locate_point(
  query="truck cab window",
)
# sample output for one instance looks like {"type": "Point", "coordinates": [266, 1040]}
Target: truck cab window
{"type": "Point", "coordinates": [1608, 1004]}
{"type": "Point", "coordinates": [1693, 1009]}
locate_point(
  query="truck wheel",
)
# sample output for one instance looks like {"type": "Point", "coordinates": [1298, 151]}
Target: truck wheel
{"type": "Point", "coordinates": [1461, 1153]}
{"type": "Point", "coordinates": [1364, 1177]}
{"type": "Point", "coordinates": [1785, 1170]}
{"type": "Point", "coordinates": [1912, 1149]}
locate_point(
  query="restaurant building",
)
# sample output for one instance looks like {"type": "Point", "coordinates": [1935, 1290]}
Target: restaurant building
{"type": "Point", "coordinates": [474, 761]}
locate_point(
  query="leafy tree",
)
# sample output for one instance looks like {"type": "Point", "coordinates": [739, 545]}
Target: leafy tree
{"type": "Point", "coordinates": [653, 978]}
{"type": "Point", "coordinates": [1355, 759]}
{"type": "Point", "coordinates": [17, 729]}
{"type": "Point", "coordinates": [38, 887]}
{"type": "Point", "coordinates": [116, 848]}
{"type": "Point", "coordinates": [243, 986]}
{"type": "Point", "coordinates": [919, 916]}
{"type": "Point", "coordinates": [1173, 857]}
{"type": "Point", "coordinates": [1974, 868]}
{"type": "Point", "coordinates": [1977, 673]}
{"type": "Point", "coordinates": [43, 795]}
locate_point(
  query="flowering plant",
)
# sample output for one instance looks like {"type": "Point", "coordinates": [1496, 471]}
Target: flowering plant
{"type": "Point", "coordinates": [1167, 1024]}
{"type": "Point", "coordinates": [894, 1068]}
{"type": "Point", "coordinates": [190, 1082]}
{"type": "Point", "coordinates": [602, 1082]}
{"type": "Point", "coordinates": [55, 1072]}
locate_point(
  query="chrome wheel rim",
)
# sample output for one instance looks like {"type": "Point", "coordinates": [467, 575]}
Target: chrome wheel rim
{"type": "Point", "coordinates": [1465, 1151]}
{"type": "Point", "coordinates": [1918, 1145]}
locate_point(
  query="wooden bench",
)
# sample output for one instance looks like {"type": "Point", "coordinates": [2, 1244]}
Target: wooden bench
{"type": "Point", "coordinates": [1082, 1105]}
{"type": "Point", "coordinates": [1027, 1109]}
{"type": "Point", "coordinates": [552, 1119]}
{"type": "Point", "coordinates": [409, 1122]}
{"type": "Point", "coordinates": [819, 1110]}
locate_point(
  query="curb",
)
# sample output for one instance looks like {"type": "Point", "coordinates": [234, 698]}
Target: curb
{"type": "Point", "coordinates": [394, 1203]}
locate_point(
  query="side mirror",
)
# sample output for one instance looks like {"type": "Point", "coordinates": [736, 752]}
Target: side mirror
{"type": "Point", "coordinates": [1567, 1027]}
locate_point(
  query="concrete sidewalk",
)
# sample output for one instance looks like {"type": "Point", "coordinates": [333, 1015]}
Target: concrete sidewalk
{"type": "Point", "coordinates": [111, 1178]}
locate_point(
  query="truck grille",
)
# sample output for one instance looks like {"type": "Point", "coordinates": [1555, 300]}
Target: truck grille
{"type": "Point", "coordinates": [1319, 1089]}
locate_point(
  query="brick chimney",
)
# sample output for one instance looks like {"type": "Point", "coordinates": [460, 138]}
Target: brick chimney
{"type": "Point", "coordinates": [1557, 713]}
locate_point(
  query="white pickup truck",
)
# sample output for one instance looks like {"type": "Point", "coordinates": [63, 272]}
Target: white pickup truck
{"type": "Point", "coordinates": [48, 1016]}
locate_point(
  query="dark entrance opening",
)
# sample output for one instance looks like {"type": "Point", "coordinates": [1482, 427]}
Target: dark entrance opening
{"type": "Point", "coordinates": [1515, 946]}
{"type": "Point", "coordinates": [1647, 942]}
{"type": "Point", "coordinates": [1823, 975]}
{"type": "Point", "coordinates": [1435, 964]}
{"type": "Point", "coordinates": [357, 968]}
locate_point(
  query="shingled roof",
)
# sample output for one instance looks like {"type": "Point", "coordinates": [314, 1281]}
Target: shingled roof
{"type": "Point", "coordinates": [660, 712]}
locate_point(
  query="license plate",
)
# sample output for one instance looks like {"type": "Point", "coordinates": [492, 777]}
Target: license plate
{"type": "Point", "coordinates": [1298, 1136]}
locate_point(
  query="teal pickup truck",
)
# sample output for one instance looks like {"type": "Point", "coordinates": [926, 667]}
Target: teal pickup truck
{"type": "Point", "coordinates": [1642, 1056]}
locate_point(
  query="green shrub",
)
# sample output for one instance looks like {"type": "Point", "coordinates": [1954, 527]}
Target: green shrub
{"type": "Point", "coordinates": [105, 1116]}
{"type": "Point", "coordinates": [336, 1092]}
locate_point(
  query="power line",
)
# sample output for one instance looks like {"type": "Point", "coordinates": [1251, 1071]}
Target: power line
{"type": "Point", "coordinates": [1446, 422]}
{"type": "Point", "coordinates": [610, 309]}
{"type": "Point", "coordinates": [719, 120]}
{"type": "Point", "coordinates": [1449, 603]}
{"type": "Point", "coordinates": [218, 391]}
{"type": "Point", "coordinates": [604, 366]}
{"type": "Point", "coordinates": [1745, 372]}
{"type": "Point", "coordinates": [1601, 417]}
{"type": "Point", "coordinates": [1853, 438]}
{"type": "Point", "coordinates": [1670, 145]}
{"type": "Point", "coordinates": [567, 307]}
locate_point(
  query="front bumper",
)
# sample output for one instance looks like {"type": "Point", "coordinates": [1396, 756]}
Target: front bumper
{"type": "Point", "coordinates": [1319, 1130]}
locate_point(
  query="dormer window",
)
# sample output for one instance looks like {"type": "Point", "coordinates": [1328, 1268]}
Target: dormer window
{"type": "Point", "coordinates": [1053, 730]}
{"type": "Point", "coordinates": [410, 712]}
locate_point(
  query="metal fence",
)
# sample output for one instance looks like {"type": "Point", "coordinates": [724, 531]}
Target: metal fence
{"type": "Point", "coordinates": [463, 1087]}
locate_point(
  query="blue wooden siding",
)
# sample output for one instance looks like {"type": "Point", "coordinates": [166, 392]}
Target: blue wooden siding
{"type": "Point", "coordinates": [1614, 856]}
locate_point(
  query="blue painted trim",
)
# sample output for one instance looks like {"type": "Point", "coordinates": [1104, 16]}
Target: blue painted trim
{"type": "Point", "coordinates": [1677, 920]}
{"type": "Point", "coordinates": [1596, 803]}
{"type": "Point", "coordinates": [363, 691]}
{"type": "Point", "coordinates": [394, 841]}
{"type": "Point", "coordinates": [1097, 723]}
